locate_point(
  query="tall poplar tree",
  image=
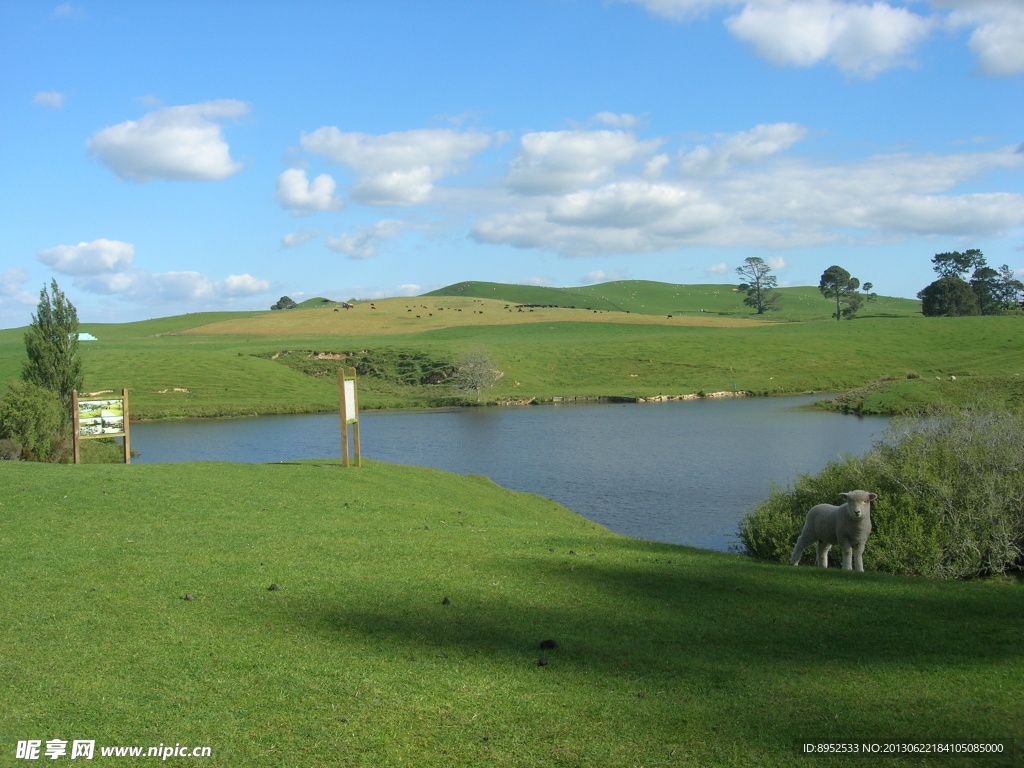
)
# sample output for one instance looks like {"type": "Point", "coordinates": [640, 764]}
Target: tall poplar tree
{"type": "Point", "coordinates": [51, 343]}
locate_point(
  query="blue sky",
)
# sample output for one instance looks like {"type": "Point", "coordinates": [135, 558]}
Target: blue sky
{"type": "Point", "coordinates": [169, 157]}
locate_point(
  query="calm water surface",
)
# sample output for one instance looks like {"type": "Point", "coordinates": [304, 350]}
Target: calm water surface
{"type": "Point", "coordinates": [683, 472]}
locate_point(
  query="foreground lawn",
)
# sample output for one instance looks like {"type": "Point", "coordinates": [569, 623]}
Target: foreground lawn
{"type": "Point", "coordinates": [667, 656]}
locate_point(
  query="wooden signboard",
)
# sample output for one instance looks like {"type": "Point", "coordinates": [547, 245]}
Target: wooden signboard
{"type": "Point", "coordinates": [100, 417]}
{"type": "Point", "coordinates": [349, 413]}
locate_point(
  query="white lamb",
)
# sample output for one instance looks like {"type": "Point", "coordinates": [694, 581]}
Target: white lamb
{"type": "Point", "coordinates": [847, 525]}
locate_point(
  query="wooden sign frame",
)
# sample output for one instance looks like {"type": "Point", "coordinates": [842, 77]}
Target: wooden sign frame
{"type": "Point", "coordinates": [100, 426]}
{"type": "Point", "coordinates": [348, 408]}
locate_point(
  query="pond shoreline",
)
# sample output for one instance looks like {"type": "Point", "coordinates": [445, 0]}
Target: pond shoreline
{"type": "Point", "coordinates": [557, 400]}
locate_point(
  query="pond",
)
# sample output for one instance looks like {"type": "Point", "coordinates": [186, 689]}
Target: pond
{"type": "Point", "coordinates": [679, 472]}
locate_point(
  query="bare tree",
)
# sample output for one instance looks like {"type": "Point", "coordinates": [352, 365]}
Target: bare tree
{"type": "Point", "coordinates": [475, 372]}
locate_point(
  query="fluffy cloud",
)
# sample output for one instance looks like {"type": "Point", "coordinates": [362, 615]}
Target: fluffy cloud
{"type": "Point", "coordinates": [49, 99]}
{"type": "Point", "coordinates": [366, 242]}
{"type": "Point", "coordinates": [106, 267]}
{"type": "Point", "coordinates": [305, 197]}
{"type": "Point", "coordinates": [95, 258]}
{"type": "Point", "coordinates": [859, 39]}
{"type": "Point", "coordinates": [862, 38]}
{"type": "Point", "coordinates": [600, 276]}
{"type": "Point", "coordinates": [717, 269]}
{"type": "Point", "coordinates": [178, 143]}
{"type": "Point", "coordinates": [998, 31]}
{"type": "Point", "coordinates": [751, 194]}
{"type": "Point", "coordinates": [745, 148]}
{"type": "Point", "coordinates": [553, 162]}
{"type": "Point", "coordinates": [396, 168]}
{"type": "Point", "coordinates": [11, 293]}
{"type": "Point", "coordinates": [293, 239]}
{"type": "Point", "coordinates": [168, 287]}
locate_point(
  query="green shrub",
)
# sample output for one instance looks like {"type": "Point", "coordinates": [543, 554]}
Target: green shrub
{"type": "Point", "coordinates": [951, 498]}
{"type": "Point", "coordinates": [33, 417]}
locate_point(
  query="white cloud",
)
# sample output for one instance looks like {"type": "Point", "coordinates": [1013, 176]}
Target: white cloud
{"type": "Point", "coordinates": [178, 143]}
{"type": "Point", "coordinates": [106, 267]}
{"type": "Point", "coordinates": [366, 242]}
{"type": "Point", "coordinates": [859, 37]}
{"type": "Point", "coordinates": [720, 268]}
{"type": "Point", "coordinates": [169, 287]}
{"type": "Point", "coordinates": [540, 280]}
{"type": "Point", "coordinates": [617, 120]}
{"type": "Point", "coordinates": [600, 276]}
{"type": "Point", "coordinates": [65, 11]}
{"type": "Point", "coordinates": [11, 292]}
{"type": "Point", "coordinates": [760, 197]}
{"type": "Point", "coordinates": [745, 148]}
{"type": "Point", "coordinates": [234, 286]}
{"type": "Point", "coordinates": [95, 258]}
{"type": "Point", "coordinates": [293, 239]}
{"type": "Point", "coordinates": [555, 162]}
{"type": "Point", "coordinates": [998, 33]}
{"type": "Point", "coordinates": [305, 197]}
{"type": "Point", "coordinates": [396, 168]}
{"type": "Point", "coordinates": [52, 99]}
{"type": "Point", "coordinates": [776, 262]}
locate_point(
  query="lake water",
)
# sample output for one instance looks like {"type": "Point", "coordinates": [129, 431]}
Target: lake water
{"type": "Point", "coordinates": [679, 472]}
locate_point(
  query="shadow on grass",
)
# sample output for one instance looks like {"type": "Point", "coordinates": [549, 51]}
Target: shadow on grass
{"type": "Point", "coordinates": [803, 647]}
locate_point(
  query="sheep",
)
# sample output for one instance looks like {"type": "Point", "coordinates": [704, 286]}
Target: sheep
{"type": "Point", "coordinates": [847, 525]}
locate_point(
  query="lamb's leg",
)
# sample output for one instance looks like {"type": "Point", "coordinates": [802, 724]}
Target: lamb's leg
{"type": "Point", "coordinates": [823, 549]}
{"type": "Point", "coordinates": [798, 551]}
{"type": "Point", "coordinates": [858, 558]}
{"type": "Point", "coordinates": [847, 557]}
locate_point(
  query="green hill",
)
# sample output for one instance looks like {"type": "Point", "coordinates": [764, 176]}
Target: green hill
{"type": "Point", "coordinates": [655, 298]}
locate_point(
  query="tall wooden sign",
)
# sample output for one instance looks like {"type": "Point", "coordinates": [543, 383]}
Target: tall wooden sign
{"type": "Point", "coordinates": [349, 408]}
{"type": "Point", "coordinates": [96, 418]}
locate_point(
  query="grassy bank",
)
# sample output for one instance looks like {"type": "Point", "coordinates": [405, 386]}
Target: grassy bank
{"type": "Point", "coordinates": [667, 656]}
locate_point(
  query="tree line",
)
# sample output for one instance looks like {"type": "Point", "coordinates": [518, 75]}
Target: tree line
{"type": "Point", "coordinates": [987, 292]}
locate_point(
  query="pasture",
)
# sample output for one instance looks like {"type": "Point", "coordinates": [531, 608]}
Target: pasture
{"type": "Point", "coordinates": [220, 364]}
{"type": "Point", "coordinates": [666, 656]}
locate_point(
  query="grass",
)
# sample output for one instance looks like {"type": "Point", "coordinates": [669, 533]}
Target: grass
{"type": "Point", "coordinates": [667, 656]}
{"type": "Point", "coordinates": [218, 364]}
{"type": "Point", "coordinates": [655, 298]}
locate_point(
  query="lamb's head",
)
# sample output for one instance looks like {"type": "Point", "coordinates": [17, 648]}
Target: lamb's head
{"type": "Point", "coordinates": [858, 503]}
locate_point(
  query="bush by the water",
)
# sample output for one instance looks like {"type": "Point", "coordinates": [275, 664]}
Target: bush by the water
{"type": "Point", "coordinates": [33, 419]}
{"type": "Point", "coordinates": [951, 498]}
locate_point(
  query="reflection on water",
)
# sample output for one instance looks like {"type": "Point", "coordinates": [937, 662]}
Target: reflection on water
{"type": "Point", "coordinates": [681, 472]}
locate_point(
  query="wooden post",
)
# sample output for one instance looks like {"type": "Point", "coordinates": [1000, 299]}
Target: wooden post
{"type": "Point", "coordinates": [127, 444]}
{"type": "Point", "coordinates": [355, 422]}
{"type": "Point", "coordinates": [349, 414]}
{"type": "Point", "coordinates": [74, 424]}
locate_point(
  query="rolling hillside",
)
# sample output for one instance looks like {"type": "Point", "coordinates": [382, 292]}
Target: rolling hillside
{"type": "Point", "coordinates": [655, 298]}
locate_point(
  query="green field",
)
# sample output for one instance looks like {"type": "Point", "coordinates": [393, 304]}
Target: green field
{"type": "Point", "coordinates": [653, 298]}
{"type": "Point", "coordinates": [220, 364]}
{"type": "Point", "coordinates": [667, 656]}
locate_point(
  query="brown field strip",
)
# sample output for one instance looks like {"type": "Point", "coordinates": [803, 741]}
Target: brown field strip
{"type": "Point", "coordinates": [419, 314]}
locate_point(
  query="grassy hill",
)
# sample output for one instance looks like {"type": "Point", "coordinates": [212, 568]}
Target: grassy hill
{"type": "Point", "coordinates": [654, 298]}
{"type": "Point", "coordinates": [666, 656]}
{"type": "Point", "coordinates": [215, 364]}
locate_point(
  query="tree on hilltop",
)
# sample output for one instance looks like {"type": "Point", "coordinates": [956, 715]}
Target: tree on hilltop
{"type": "Point", "coordinates": [759, 285]}
{"type": "Point", "coordinates": [285, 302]}
{"type": "Point", "coordinates": [836, 283]}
